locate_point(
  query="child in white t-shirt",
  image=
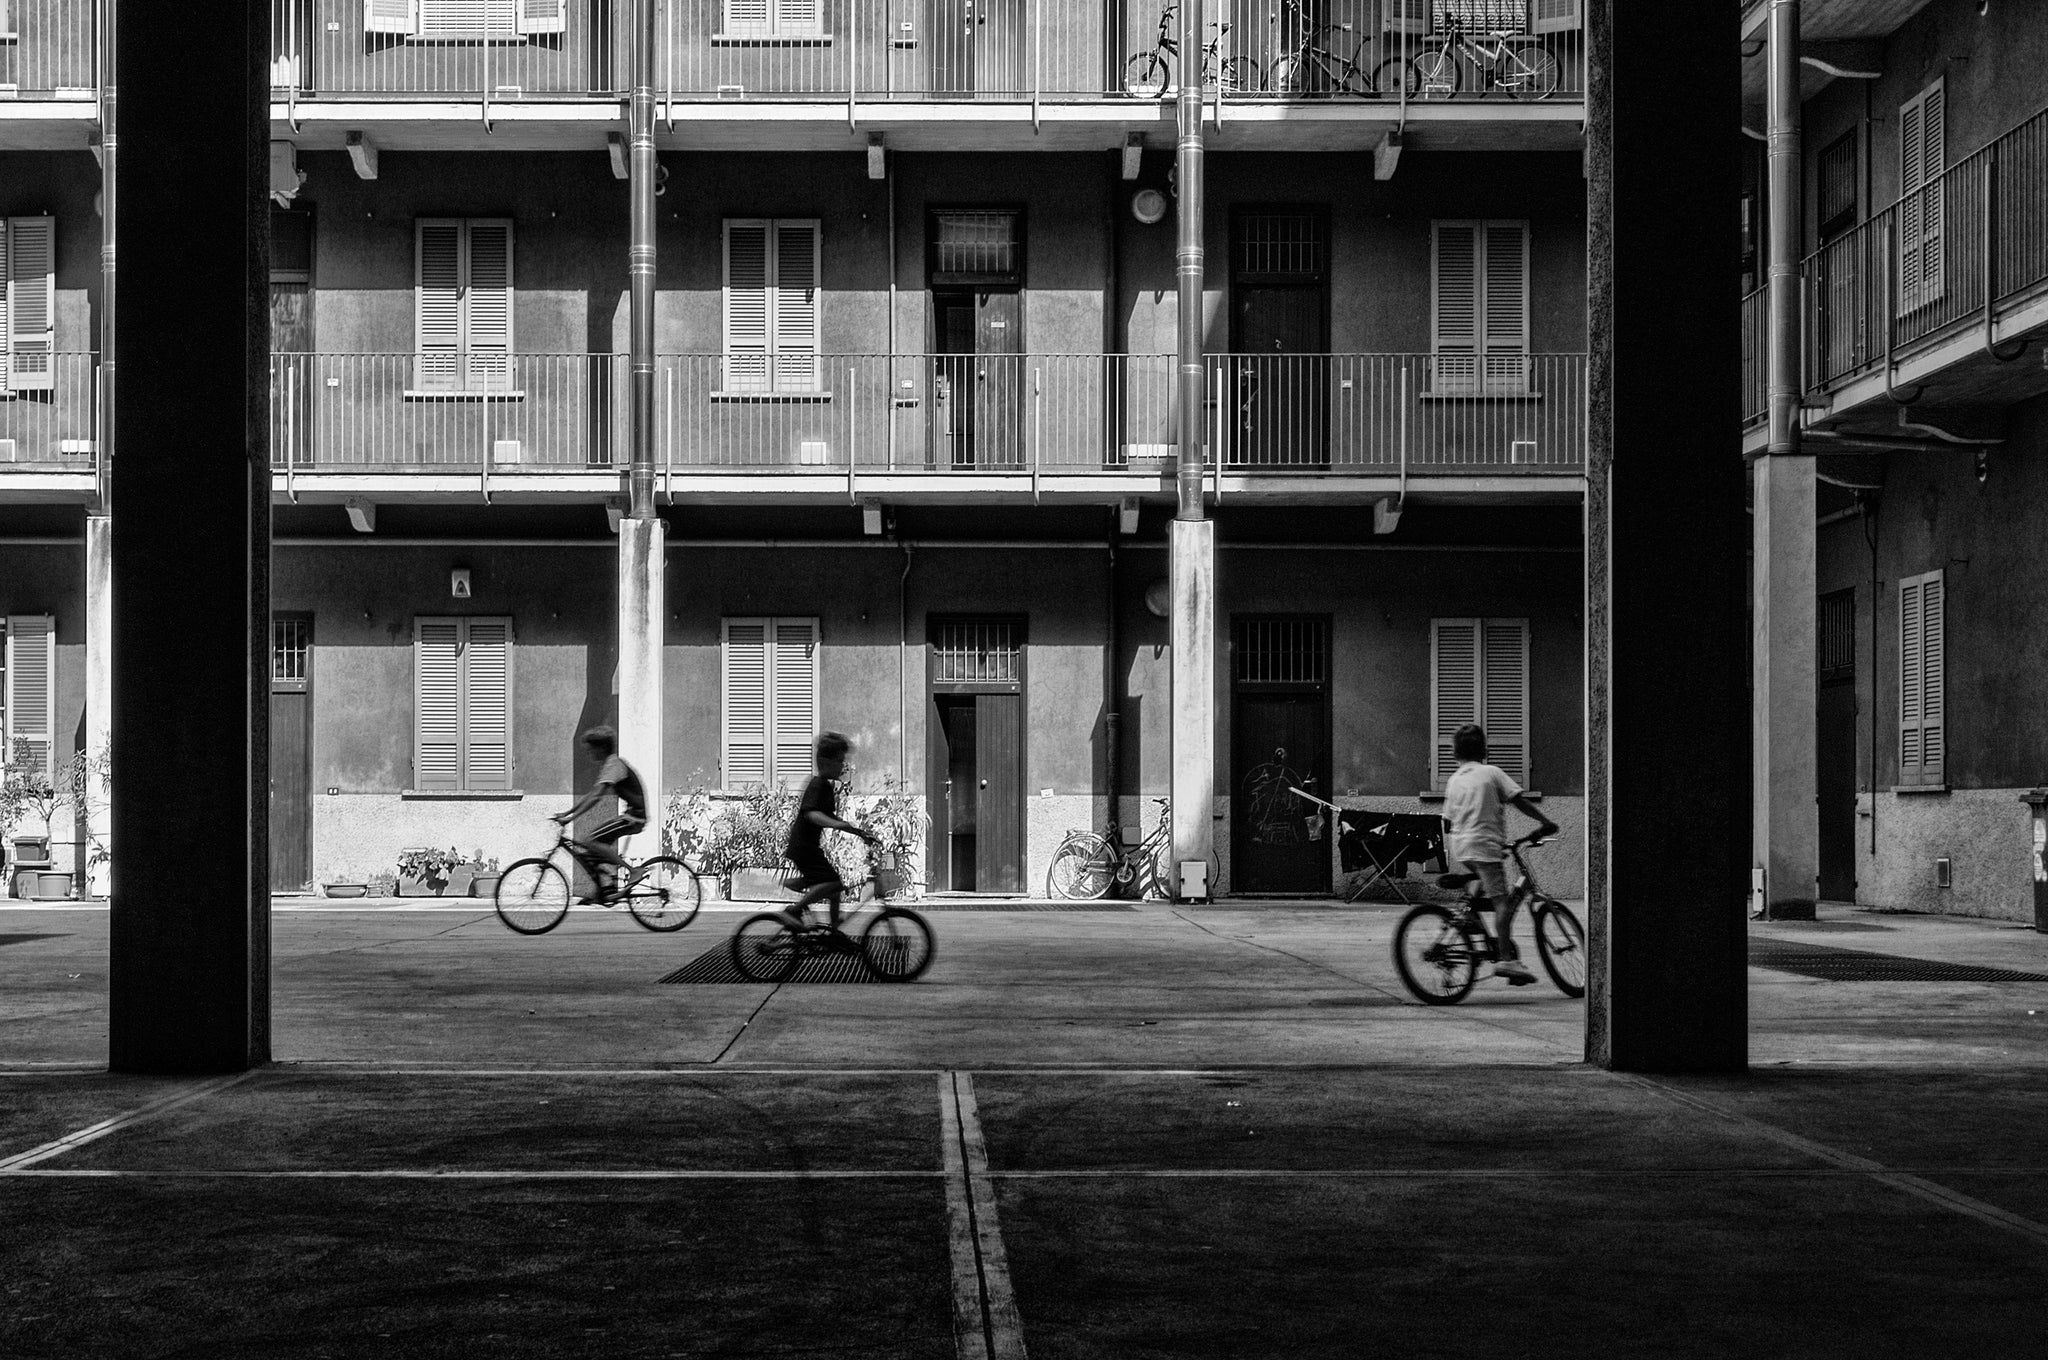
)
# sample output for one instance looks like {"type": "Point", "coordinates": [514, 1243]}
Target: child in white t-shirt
{"type": "Point", "coordinates": [1476, 799]}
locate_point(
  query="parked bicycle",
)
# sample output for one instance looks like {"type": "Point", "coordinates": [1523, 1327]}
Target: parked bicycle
{"type": "Point", "coordinates": [1088, 864]}
{"type": "Point", "coordinates": [533, 894]}
{"type": "Point", "coordinates": [895, 945]}
{"type": "Point", "coordinates": [1438, 948]}
{"type": "Point", "coordinates": [1521, 66]}
{"type": "Point", "coordinates": [1149, 75]}
{"type": "Point", "coordinates": [1314, 69]}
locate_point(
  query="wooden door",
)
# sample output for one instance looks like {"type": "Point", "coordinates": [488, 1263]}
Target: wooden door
{"type": "Point", "coordinates": [1281, 403]}
{"type": "Point", "coordinates": [999, 792]}
{"type": "Point", "coordinates": [999, 379]}
{"type": "Point", "coordinates": [976, 749]}
{"type": "Point", "coordinates": [954, 30]}
{"type": "Point", "coordinates": [959, 812]}
{"type": "Point", "coordinates": [953, 380]}
{"type": "Point", "coordinates": [1280, 741]}
{"type": "Point", "coordinates": [291, 337]}
{"type": "Point", "coordinates": [1835, 746]}
{"type": "Point", "coordinates": [291, 753]}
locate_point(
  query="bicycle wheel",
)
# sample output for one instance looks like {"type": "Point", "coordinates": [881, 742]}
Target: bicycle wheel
{"type": "Point", "coordinates": [1147, 76]}
{"type": "Point", "coordinates": [1561, 944]}
{"type": "Point", "coordinates": [1527, 70]}
{"type": "Point", "coordinates": [1355, 81]}
{"type": "Point", "coordinates": [1436, 75]}
{"type": "Point", "coordinates": [1288, 75]}
{"type": "Point", "coordinates": [532, 896]}
{"type": "Point", "coordinates": [897, 945]}
{"type": "Point", "coordinates": [765, 947]}
{"type": "Point", "coordinates": [1390, 75]}
{"type": "Point", "coordinates": [663, 894]}
{"type": "Point", "coordinates": [1081, 868]}
{"type": "Point", "coordinates": [1240, 75]}
{"type": "Point", "coordinates": [1437, 955]}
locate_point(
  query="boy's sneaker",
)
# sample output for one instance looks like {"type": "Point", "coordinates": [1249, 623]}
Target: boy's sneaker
{"type": "Point", "coordinates": [1515, 971]}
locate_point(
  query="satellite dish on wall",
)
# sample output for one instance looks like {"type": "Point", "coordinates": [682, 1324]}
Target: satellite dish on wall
{"type": "Point", "coordinates": [1148, 206]}
{"type": "Point", "coordinates": [1159, 597]}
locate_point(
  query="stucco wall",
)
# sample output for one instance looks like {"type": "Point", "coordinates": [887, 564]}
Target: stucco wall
{"type": "Point", "coordinates": [51, 580]}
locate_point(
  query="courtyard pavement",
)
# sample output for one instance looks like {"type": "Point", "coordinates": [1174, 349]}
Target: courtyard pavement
{"type": "Point", "coordinates": [1151, 1131]}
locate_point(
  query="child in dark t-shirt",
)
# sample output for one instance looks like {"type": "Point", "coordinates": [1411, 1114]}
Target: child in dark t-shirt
{"type": "Point", "coordinates": [816, 814]}
{"type": "Point", "coordinates": [618, 778]}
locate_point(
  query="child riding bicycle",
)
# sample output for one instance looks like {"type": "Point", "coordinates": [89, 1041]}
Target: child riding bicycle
{"type": "Point", "coordinates": [818, 813]}
{"type": "Point", "coordinates": [618, 778]}
{"type": "Point", "coordinates": [1476, 799]}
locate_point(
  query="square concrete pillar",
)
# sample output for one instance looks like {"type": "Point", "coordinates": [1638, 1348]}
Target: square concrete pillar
{"type": "Point", "coordinates": [1785, 623]}
{"type": "Point", "coordinates": [643, 615]}
{"type": "Point", "coordinates": [1192, 547]}
{"type": "Point", "coordinates": [95, 816]}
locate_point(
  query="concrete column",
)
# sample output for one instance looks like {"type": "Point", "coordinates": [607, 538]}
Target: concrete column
{"type": "Point", "coordinates": [99, 690]}
{"type": "Point", "coordinates": [1192, 545]}
{"type": "Point", "coordinates": [1785, 830]}
{"type": "Point", "coordinates": [189, 929]}
{"type": "Point", "coordinates": [643, 608]}
{"type": "Point", "coordinates": [1667, 704]}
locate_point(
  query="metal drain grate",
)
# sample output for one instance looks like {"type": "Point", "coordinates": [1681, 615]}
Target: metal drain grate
{"type": "Point", "coordinates": [928, 905]}
{"type": "Point", "coordinates": [1861, 965]}
{"type": "Point", "coordinates": [715, 965]}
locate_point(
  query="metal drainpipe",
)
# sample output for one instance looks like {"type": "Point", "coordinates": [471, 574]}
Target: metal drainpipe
{"type": "Point", "coordinates": [1188, 184]}
{"type": "Point", "coordinates": [109, 143]}
{"type": "Point", "coordinates": [642, 170]}
{"type": "Point", "coordinates": [1782, 138]}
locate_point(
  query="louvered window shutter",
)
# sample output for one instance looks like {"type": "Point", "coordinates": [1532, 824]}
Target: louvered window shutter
{"type": "Point", "coordinates": [437, 306]}
{"type": "Point", "coordinates": [744, 703]}
{"type": "Point", "coordinates": [1455, 313]}
{"type": "Point", "coordinates": [1453, 689]}
{"type": "Point", "coordinates": [1504, 695]}
{"type": "Point", "coordinates": [799, 17]}
{"type": "Point", "coordinates": [390, 16]}
{"type": "Point", "coordinates": [1923, 734]}
{"type": "Point", "coordinates": [747, 306]}
{"type": "Point", "coordinates": [487, 339]}
{"type": "Point", "coordinates": [749, 18]}
{"type": "Point", "coordinates": [468, 19]}
{"type": "Point", "coordinates": [543, 16]}
{"type": "Point", "coordinates": [793, 692]}
{"type": "Point", "coordinates": [1506, 307]}
{"type": "Point", "coordinates": [31, 303]}
{"type": "Point", "coordinates": [6, 307]}
{"type": "Point", "coordinates": [796, 307]}
{"type": "Point", "coordinates": [487, 704]}
{"type": "Point", "coordinates": [437, 704]}
{"type": "Point", "coordinates": [32, 692]}
{"type": "Point", "coordinates": [1911, 669]}
{"type": "Point", "coordinates": [1923, 155]}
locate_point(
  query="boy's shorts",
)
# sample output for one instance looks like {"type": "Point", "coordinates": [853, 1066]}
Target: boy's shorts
{"type": "Point", "coordinates": [616, 827]}
{"type": "Point", "coordinates": [1493, 878]}
{"type": "Point", "coordinates": [813, 870]}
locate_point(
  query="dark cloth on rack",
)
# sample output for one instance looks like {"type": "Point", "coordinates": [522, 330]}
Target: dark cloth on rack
{"type": "Point", "coordinates": [1390, 841]}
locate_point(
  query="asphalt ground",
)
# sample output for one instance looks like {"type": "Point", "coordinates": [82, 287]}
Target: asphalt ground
{"type": "Point", "coordinates": [1155, 1132]}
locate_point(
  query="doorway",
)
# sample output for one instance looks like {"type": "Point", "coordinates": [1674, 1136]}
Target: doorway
{"type": "Point", "coordinates": [975, 266]}
{"type": "Point", "coordinates": [291, 335]}
{"type": "Point", "coordinates": [1280, 740]}
{"type": "Point", "coordinates": [1280, 389]}
{"type": "Point", "coordinates": [1835, 746]}
{"type": "Point", "coordinates": [291, 751]}
{"type": "Point", "coordinates": [976, 721]}
{"type": "Point", "coordinates": [977, 47]}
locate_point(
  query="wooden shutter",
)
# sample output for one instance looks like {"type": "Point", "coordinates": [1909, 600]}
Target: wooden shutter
{"type": "Point", "coordinates": [1923, 155]}
{"type": "Point", "coordinates": [390, 16]}
{"type": "Point", "coordinates": [1453, 689]}
{"type": "Point", "coordinates": [747, 306]}
{"type": "Point", "coordinates": [6, 308]}
{"type": "Point", "coordinates": [437, 704]}
{"type": "Point", "coordinates": [1553, 16]}
{"type": "Point", "coordinates": [1505, 314]}
{"type": "Point", "coordinates": [799, 17]}
{"type": "Point", "coordinates": [1504, 694]}
{"type": "Point", "coordinates": [32, 692]}
{"type": "Point", "coordinates": [31, 330]}
{"type": "Point", "coordinates": [1922, 697]}
{"type": "Point", "coordinates": [795, 300]}
{"type": "Point", "coordinates": [437, 305]}
{"type": "Point", "coordinates": [793, 695]}
{"type": "Point", "coordinates": [487, 704]}
{"type": "Point", "coordinates": [487, 309]}
{"type": "Point", "coordinates": [468, 19]}
{"type": "Point", "coordinates": [543, 16]}
{"type": "Point", "coordinates": [751, 18]}
{"type": "Point", "coordinates": [744, 703]}
{"type": "Point", "coordinates": [1454, 315]}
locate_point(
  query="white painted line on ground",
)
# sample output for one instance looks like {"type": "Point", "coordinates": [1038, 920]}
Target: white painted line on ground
{"type": "Point", "coordinates": [78, 1138]}
{"type": "Point", "coordinates": [1920, 1188]}
{"type": "Point", "coordinates": [1005, 1328]}
{"type": "Point", "coordinates": [970, 1335]}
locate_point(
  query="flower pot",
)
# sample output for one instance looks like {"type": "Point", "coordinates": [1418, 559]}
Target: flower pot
{"type": "Point", "coordinates": [759, 885]}
{"type": "Point", "coordinates": [421, 887]}
{"type": "Point", "coordinates": [348, 890]}
{"type": "Point", "coordinates": [485, 884]}
{"type": "Point", "coordinates": [52, 886]}
{"type": "Point", "coordinates": [710, 887]}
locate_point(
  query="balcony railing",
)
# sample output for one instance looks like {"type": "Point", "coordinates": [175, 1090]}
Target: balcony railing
{"type": "Point", "coordinates": [1954, 253]}
{"type": "Point", "coordinates": [1756, 367]}
{"type": "Point", "coordinates": [48, 413]}
{"type": "Point", "coordinates": [1355, 414]}
{"type": "Point", "coordinates": [1013, 51]}
{"type": "Point", "coordinates": [49, 49]}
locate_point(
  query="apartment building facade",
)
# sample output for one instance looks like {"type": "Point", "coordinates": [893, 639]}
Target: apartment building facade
{"type": "Point", "coordinates": [1923, 221]}
{"type": "Point", "coordinates": [913, 426]}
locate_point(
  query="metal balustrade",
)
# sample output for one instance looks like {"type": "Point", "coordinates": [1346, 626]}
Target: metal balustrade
{"type": "Point", "coordinates": [48, 412]}
{"type": "Point", "coordinates": [1756, 367]}
{"type": "Point", "coordinates": [1951, 254]}
{"type": "Point", "coordinates": [49, 49]}
{"type": "Point", "coordinates": [466, 50]}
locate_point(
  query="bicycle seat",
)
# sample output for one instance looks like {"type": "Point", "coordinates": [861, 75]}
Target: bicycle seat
{"type": "Point", "coordinates": [1455, 880]}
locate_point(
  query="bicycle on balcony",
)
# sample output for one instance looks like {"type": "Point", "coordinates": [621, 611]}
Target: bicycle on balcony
{"type": "Point", "coordinates": [1149, 75]}
{"type": "Point", "coordinates": [1522, 67]}
{"type": "Point", "coordinates": [1314, 69]}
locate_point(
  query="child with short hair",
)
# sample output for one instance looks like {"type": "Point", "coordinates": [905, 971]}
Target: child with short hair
{"type": "Point", "coordinates": [817, 813]}
{"type": "Point", "coordinates": [619, 778]}
{"type": "Point", "coordinates": [1476, 799]}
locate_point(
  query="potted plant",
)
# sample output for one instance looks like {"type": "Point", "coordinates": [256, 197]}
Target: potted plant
{"type": "Point", "coordinates": [484, 882]}
{"type": "Point", "coordinates": [686, 822]}
{"type": "Point", "coordinates": [29, 790]}
{"type": "Point", "coordinates": [347, 883]}
{"type": "Point", "coordinates": [898, 819]}
{"type": "Point", "coordinates": [745, 844]}
{"type": "Point", "coordinates": [428, 867]}
{"type": "Point", "coordinates": [90, 776]}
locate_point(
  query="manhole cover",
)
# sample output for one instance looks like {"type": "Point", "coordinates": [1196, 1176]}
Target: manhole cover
{"type": "Point", "coordinates": [715, 965]}
{"type": "Point", "coordinates": [1861, 965]}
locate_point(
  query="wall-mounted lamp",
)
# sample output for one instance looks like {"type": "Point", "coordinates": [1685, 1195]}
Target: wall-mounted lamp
{"type": "Point", "coordinates": [878, 166]}
{"type": "Point", "coordinates": [458, 583]}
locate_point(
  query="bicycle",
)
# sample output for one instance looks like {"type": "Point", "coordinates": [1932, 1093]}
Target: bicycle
{"type": "Point", "coordinates": [1289, 74]}
{"type": "Point", "coordinates": [896, 945]}
{"type": "Point", "coordinates": [1438, 949]}
{"type": "Point", "coordinates": [1521, 66]}
{"type": "Point", "coordinates": [533, 894]}
{"type": "Point", "coordinates": [1149, 75]}
{"type": "Point", "coordinates": [1087, 864]}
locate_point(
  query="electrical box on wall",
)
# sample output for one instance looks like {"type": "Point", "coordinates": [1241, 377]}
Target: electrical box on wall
{"type": "Point", "coordinates": [458, 583]}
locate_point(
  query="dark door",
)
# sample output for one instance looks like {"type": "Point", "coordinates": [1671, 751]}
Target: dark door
{"type": "Point", "coordinates": [1280, 741]}
{"type": "Point", "coordinates": [291, 336]}
{"type": "Point", "coordinates": [961, 811]}
{"type": "Point", "coordinates": [977, 47]}
{"type": "Point", "coordinates": [999, 792]}
{"type": "Point", "coordinates": [291, 751]}
{"type": "Point", "coordinates": [1835, 746]}
{"type": "Point", "coordinates": [1282, 400]}
{"type": "Point", "coordinates": [977, 387]}
{"type": "Point", "coordinates": [977, 754]}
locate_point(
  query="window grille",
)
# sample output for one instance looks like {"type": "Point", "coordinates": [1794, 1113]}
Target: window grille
{"type": "Point", "coordinates": [1280, 243]}
{"type": "Point", "coordinates": [977, 246]}
{"type": "Point", "coordinates": [974, 650]}
{"type": "Point", "coordinates": [1838, 185]}
{"type": "Point", "coordinates": [1838, 635]}
{"type": "Point", "coordinates": [1485, 16]}
{"type": "Point", "coordinates": [291, 642]}
{"type": "Point", "coordinates": [1282, 651]}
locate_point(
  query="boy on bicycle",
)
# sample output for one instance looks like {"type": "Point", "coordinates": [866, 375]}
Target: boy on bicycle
{"type": "Point", "coordinates": [818, 813]}
{"type": "Point", "coordinates": [1476, 799]}
{"type": "Point", "coordinates": [618, 778]}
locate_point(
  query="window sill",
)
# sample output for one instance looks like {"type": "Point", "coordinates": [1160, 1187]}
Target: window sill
{"type": "Point", "coordinates": [1482, 394]}
{"type": "Point", "coordinates": [1920, 788]}
{"type": "Point", "coordinates": [818, 397]}
{"type": "Point", "coordinates": [432, 394]}
{"type": "Point", "coordinates": [771, 40]}
{"type": "Point", "coordinates": [442, 39]}
{"type": "Point", "coordinates": [463, 795]}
